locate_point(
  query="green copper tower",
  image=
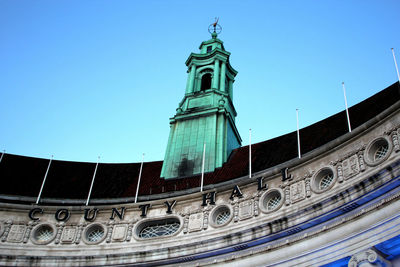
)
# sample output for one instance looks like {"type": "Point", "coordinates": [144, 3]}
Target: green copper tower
{"type": "Point", "coordinates": [205, 115]}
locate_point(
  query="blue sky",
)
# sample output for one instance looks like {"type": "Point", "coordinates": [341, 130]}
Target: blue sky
{"type": "Point", "coordinates": [82, 79]}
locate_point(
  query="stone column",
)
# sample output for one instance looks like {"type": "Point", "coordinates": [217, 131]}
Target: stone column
{"type": "Point", "coordinates": [222, 79]}
{"type": "Point", "coordinates": [190, 83]}
{"type": "Point", "coordinates": [216, 75]}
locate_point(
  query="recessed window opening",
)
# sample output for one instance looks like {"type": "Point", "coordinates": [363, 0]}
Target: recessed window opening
{"type": "Point", "coordinates": [223, 217]}
{"type": "Point", "coordinates": [326, 181]}
{"type": "Point", "coordinates": [44, 234]}
{"type": "Point", "coordinates": [209, 48]}
{"type": "Point", "coordinates": [381, 152]}
{"type": "Point", "coordinates": [159, 228]}
{"type": "Point", "coordinates": [205, 82]}
{"type": "Point", "coordinates": [273, 202]}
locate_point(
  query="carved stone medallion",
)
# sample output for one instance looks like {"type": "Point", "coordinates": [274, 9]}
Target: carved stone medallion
{"type": "Point", "coordinates": [16, 233]}
{"type": "Point", "coordinates": [297, 191]}
{"type": "Point", "coordinates": [245, 209]}
{"type": "Point", "coordinates": [350, 167]}
{"type": "Point", "coordinates": [119, 232]}
{"type": "Point", "coordinates": [195, 222]}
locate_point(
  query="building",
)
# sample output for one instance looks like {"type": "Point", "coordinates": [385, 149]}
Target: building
{"type": "Point", "coordinates": [337, 205]}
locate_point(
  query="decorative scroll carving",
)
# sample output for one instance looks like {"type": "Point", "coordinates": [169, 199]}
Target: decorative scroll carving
{"type": "Point", "coordinates": [79, 233]}
{"type": "Point", "coordinates": [287, 195]}
{"type": "Point", "coordinates": [395, 140]}
{"type": "Point", "coordinates": [235, 211]}
{"type": "Point", "coordinates": [185, 223]}
{"type": "Point", "coordinates": [308, 187]}
{"type": "Point", "coordinates": [297, 191]}
{"type": "Point", "coordinates": [205, 220]}
{"type": "Point", "coordinates": [255, 206]}
{"type": "Point", "coordinates": [365, 257]}
{"type": "Point", "coordinates": [31, 224]}
{"type": "Point", "coordinates": [110, 226]}
{"type": "Point", "coordinates": [361, 160]}
{"type": "Point", "coordinates": [129, 232]}
{"type": "Point", "coordinates": [7, 229]}
{"type": "Point", "coordinates": [340, 172]}
{"type": "Point", "coordinates": [60, 227]}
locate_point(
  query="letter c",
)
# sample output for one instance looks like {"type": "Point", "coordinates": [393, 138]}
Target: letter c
{"type": "Point", "coordinates": [32, 213]}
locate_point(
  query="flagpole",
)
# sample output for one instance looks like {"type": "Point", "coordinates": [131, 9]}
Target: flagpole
{"type": "Point", "coordinates": [298, 133]}
{"type": "Point", "coordinates": [202, 168]}
{"type": "Point", "coordinates": [250, 153]}
{"type": "Point", "coordinates": [395, 63]}
{"type": "Point", "coordinates": [140, 176]}
{"type": "Point", "coordinates": [44, 179]}
{"type": "Point", "coordinates": [91, 185]}
{"type": "Point", "coordinates": [347, 110]}
{"type": "Point", "coordinates": [2, 154]}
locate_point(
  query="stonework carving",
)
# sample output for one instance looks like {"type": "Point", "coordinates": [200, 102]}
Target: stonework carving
{"type": "Point", "coordinates": [31, 224]}
{"type": "Point", "coordinates": [129, 232]}
{"type": "Point", "coordinates": [68, 234]}
{"type": "Point", "coordinates": [287, 195]}
{"type": "Point", "coordinates": [297, 191]}
{"type": "Point", "coordinates": [206, 218]}
{"type": "Point", "coordinates": [79, 233]}
{"type": "Point", "coordinates": [185, 223]}
{"type": "Point", "coordinates": [60, 227]}
{"type": "Point", "coordinates": [235, 211]}
{"type": "Point", "coordinates": [255, 206]}
{"type": "Point", "coordinates": [119, 232]}
{"type": "Point", "coordinates": [2, 228]}
{"type": "Point", "coordinates": [363, 257]}
{"type": "Point", "coordinates": [245, 209]}
{"type": "Point", "coordinates": [7, 227]}
{"type": "Point", "coordinates": [195, 222]}
{"type": "Point", "coordinates": [110, 226]}
{"type": "Point", "coordinates": [395, 140]}
{"type": "Point", "coordinates": [361, 160]}
{"type": "Point", "coordinates": [350, 167]}
{"type": "Point", "coordinates": [17, 233]}
{"type": "Point", "coordinates": [308, 187]}
{"type": "Point", "coordinates": [340, 173]}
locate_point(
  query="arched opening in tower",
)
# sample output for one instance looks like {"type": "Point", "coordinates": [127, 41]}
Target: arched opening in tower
{"type": "Point", "coordinates": [206, 81]}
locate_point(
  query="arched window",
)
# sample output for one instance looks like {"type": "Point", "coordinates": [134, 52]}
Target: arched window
{"type": "Point", "coordinates": [206, 81]}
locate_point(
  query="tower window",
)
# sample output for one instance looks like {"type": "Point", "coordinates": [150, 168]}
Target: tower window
{"type": "Point", "coordinates": [209, 48]}
{"type": "Point", "coordinates": [206, 81]}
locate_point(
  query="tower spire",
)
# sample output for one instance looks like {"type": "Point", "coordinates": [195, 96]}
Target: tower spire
{"type": "Point", "coordinates": [206, 115]}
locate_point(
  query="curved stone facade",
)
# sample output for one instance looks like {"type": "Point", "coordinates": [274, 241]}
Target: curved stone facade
{"type": "Point", "coordinates": [336, 202]}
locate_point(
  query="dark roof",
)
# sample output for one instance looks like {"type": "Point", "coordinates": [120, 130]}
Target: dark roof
{"type": "Point", "coordinates": [23, 176]}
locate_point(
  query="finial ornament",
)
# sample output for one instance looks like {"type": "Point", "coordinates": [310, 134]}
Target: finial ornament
{"type": "Point", "coordinates": [214, 28]}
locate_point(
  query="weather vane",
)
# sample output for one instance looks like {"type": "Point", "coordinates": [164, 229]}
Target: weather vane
{"type": "Point", "coordinates": [215, 27]}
